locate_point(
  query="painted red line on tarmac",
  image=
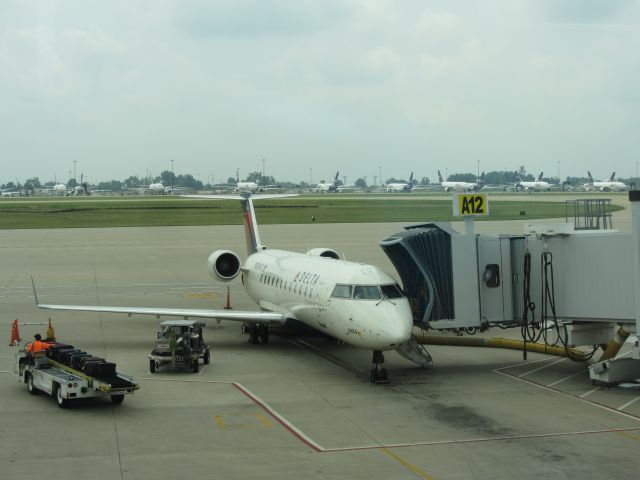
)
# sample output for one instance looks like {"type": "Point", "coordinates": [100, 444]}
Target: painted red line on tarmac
{"type": "Point", "coordinates": [281, 420]}
{"type": "Point", "coordinates": [318, 448]}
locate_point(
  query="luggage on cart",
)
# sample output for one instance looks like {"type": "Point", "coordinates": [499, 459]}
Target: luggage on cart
{"type": "Point", "coordinates": [105, 370]}
{"type": "Point", "coordinates": [65, 356]}
{"type": "Point", "coordinates": [90, 365]}
{"type": "Point", "coordinates": [52, 351]}
{"type": "Point", "coordinates": [75, 360]}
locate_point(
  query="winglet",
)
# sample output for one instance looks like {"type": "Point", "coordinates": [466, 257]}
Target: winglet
{"type": "Point", "coordinates": [35, 294]}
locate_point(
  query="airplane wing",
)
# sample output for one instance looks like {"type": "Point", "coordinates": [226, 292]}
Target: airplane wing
{"type": "Point", "coordinates": [270, 318]}
{"type": "Point", "coordinates": [245, 316]}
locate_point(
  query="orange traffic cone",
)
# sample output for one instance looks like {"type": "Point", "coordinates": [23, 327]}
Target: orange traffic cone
{"type": "Point", "coordinates": [228, 304]}
{"type": "Point", "coordinates": [51, 334]}
{"type": "Point", "coordinates": [15, 334]}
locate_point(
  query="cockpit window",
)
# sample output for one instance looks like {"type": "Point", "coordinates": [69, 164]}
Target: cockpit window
{"type": "Point", "coordinates": [366, 292]}
{"type": "Point", "coordinates": [391, 291]}
{"type": "Point", "coordinates": [342, 291]}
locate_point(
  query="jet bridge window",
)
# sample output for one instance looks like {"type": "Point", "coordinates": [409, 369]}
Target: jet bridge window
{"type": "Point", "coordinates": [391, 291]}
{"type": "Point", "coordinates": [366, 292]}
{"type": "Point", "coordinates": [342, 291]}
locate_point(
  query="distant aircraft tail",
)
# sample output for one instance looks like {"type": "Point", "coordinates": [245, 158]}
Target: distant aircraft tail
{"type": "Point", "coordinates": [335, 180]}
{"type": "Point", "coordinates": [590, 177]}
{"type": "Point", "coordinates": [237, 175]}
{"type": "Point", "coordinates": [540, 177]}
{"type": "Point", "coordinates": [481, 179]}
{"type": "Point", "coordinates": [612, 178]}
{"type": "Point", "coordinates": [518, 177]}
{"type": "Point", "coordinates": [410, 182]}
{"type": "Point", "coordinates": [439, 176]}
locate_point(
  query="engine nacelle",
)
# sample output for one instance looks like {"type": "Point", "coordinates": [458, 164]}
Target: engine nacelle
{"type": "Point", "coordinates": [324, 252]}
{"type": "Point", "coordinates": [223, 264]}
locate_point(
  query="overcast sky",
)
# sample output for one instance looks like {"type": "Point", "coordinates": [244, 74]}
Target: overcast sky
{"type": "Point", "coordinates": [123, 87]}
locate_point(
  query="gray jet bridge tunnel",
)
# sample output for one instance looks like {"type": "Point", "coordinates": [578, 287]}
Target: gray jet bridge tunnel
{"type": "Point", "coordinates": [584, 283]}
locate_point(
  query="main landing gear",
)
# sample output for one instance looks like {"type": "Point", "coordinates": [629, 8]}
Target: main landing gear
{"type": "Point", "coordinates": [378, 375]}
{"type": "Point", "coordinates": [257, 333]}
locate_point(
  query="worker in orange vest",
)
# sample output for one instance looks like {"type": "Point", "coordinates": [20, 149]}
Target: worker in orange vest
{"type": "Point", "coordinates": [37, 345]}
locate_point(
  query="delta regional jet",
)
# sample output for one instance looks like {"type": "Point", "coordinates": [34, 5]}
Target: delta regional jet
{"type": "Point", "coordinates": [355, 303]}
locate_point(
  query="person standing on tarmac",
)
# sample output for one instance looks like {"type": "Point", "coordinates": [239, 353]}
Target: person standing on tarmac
{"type": "Point", "coordinates": [37, 345]}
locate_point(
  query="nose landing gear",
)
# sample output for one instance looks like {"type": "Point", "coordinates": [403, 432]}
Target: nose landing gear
{"type": "Point", "coordinates": [378, 375]}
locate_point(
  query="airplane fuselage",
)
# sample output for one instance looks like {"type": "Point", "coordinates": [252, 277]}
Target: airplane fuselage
{"type": "Point", "coordinates": [303, 287]}
{"type": "Point", "coordinates": [542, 185]}
{"type": "Point", "coordinates": [606, 186]}
{"type": "Point", "coordinates": [464, 186]}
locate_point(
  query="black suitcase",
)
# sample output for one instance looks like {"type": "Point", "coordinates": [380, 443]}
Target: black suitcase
{"type": "Point", "coordinates": [75, 360]}
{"type": "Point", "coordinates": [105, 370]}
{"type": "Point", "coordinates": [52, 351]}
{"type": "Point", "coordinates": [57, 355]}
{"type": "Point", "coordinates": [88, 358]}
{"type": "Point", "coordinates": [90, 367]}
{"type": "Point", "coordinates": [65, 356]}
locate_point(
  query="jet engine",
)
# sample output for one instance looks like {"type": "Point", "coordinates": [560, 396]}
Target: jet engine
{"type": "Point", "coordinates": [324, 252]}
{"type": "Point", "coordinates": [223, 264]}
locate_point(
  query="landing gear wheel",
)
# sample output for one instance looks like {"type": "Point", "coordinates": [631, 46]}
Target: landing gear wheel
{"type": "Point", "coordinates": [195, 366]}
{"type": "Point", "coordinates": [378, 375]}
{"type": "Point", "coordinates": [263, 333]}
{"type": "Point", "coordinates": [152, 366]}
{"type": "Point", "coordinates": [207, 357]}
{"type": "Point", "coordinates": [57, 393]}
{"type": "Point", "coordinates": [117, 399]}
{"type": "Point", "coordinates": [30, 386]}
{"type": "Point", "coordinates": [254, 336]}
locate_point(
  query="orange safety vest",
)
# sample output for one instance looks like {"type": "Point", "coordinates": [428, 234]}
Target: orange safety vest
{"type": "Point", "coordinates": [38, 346]}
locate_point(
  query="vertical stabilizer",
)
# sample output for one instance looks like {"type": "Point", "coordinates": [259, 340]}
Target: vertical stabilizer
{"type": "Point", "coordinates": [540, 177]}
{"type": "Point", "coordinates": [252, 236]}
{"type": "Point", "coordinates": [590, 177]}
{"type": "Point", "coordinates": [439, 176]}
{"type": "Point", "coordinates": [612, 178]}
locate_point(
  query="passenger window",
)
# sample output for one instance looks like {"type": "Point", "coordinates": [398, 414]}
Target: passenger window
{"type": "Point", "coordinates": [342, 291]}
{"type": "Point", "coordinates": [366, 292]}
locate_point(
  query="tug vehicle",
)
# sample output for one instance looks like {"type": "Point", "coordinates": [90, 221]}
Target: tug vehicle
{"type": "Point", "coordinates": [180, 343]}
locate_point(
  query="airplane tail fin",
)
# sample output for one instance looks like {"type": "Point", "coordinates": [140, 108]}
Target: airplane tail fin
{"type": "Point", "coordinates": [237, 175]}
{"type": "Point", "coordinates": [439, 176]}
{"type": "Point", "coordinates": [410, 182]}
{"type": "Point", "coordinates": [590, 177]}
{"type": "Point", "coordinates": [612, 178]}
{"type": "Point", "coordinates": [335, 180]}
{"type": "Point", "coordinates": [540, 176]}
{"type": "Point", "coordinates": [252, 236]}
{"type": "Point", "coordinates": [481, 179]}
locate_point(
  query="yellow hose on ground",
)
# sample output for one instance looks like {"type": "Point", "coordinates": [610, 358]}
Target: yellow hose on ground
{"type": "Point", "coordinates": [614, 345]}
{"type": "Point", "coordinates": [497, 343]}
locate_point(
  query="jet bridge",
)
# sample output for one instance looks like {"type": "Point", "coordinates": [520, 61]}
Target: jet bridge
{"type": "Point", "coordinates": [582, 284]}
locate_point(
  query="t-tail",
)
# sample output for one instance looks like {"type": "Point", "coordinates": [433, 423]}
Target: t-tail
{"type": "Point", "coordinates": [252, 236]}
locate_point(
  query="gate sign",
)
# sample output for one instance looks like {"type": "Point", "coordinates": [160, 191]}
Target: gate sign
{"type": "Point", "coordinates": [465, 205]}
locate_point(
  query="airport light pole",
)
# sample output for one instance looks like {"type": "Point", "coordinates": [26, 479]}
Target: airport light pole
{"type": "Point", "coordinates": [172, 175]}
{"type": "Point", "coordinates": [478, 162]}
{"type": "Point", "coordinates": [74, 171]}
{"type": "Point", "coordinates": [263, 167]}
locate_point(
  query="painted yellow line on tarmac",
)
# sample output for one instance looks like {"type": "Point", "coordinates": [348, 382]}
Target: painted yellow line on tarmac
{"type": "Point", "coordinates": [264, 421]}
{"type": "Point", "coordinates": [629, 435]}
{"type": "Point", "coordinates": [408, 465]}
{"type": "Point", "coordinates": [328, 356]}
{"type": "Point", "coordinates": [219, 421]}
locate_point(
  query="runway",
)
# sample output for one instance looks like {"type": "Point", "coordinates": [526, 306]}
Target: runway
{"type": "Point", "coordinates": [292, 408]}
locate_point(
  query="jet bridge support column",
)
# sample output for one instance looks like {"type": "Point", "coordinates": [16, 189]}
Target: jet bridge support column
{"type": "Point", "coordinates": [634, 199]}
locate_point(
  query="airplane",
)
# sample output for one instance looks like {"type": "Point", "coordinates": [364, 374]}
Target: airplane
{"type": "Point", "coordinates": [357, 304]}
{"type": "Point", "coordinates": [332, 187]}
{"type": "Point", "coordinates": [463, 186]}
{"type": "Point", "coordinates": [9, 192]}
{"type": "Point", "coordinates": [538, 184]}
{"type": "Point", "coordinates": [251, 187]}
{"type": "Point", "coordinates": [160, 188]}
{"type": "Point", "coordinates": [609, 185]}
{"type": "Point", "coordinates": [401, 187]}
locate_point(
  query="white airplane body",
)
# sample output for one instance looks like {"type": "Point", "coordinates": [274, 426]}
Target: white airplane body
{"type": "Point", "coordinates": [401, 186]}
{"type": "Point", "coordinates": [251, 187]}
{"type": "Point", "coordinates": [59, 189]}
{"type": "Point", "coordinates": [324, 187]}
{"type": "Point", "coordinates": [605, 186]}
{"type": "Point", "coordinates": [9, 192]}
{"type": "Point", "coordinates": [458, 185]}
{"type": "Point", "coordinates": [356, 303]}
{"type": "Point", "coordinates": [538, 184]}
